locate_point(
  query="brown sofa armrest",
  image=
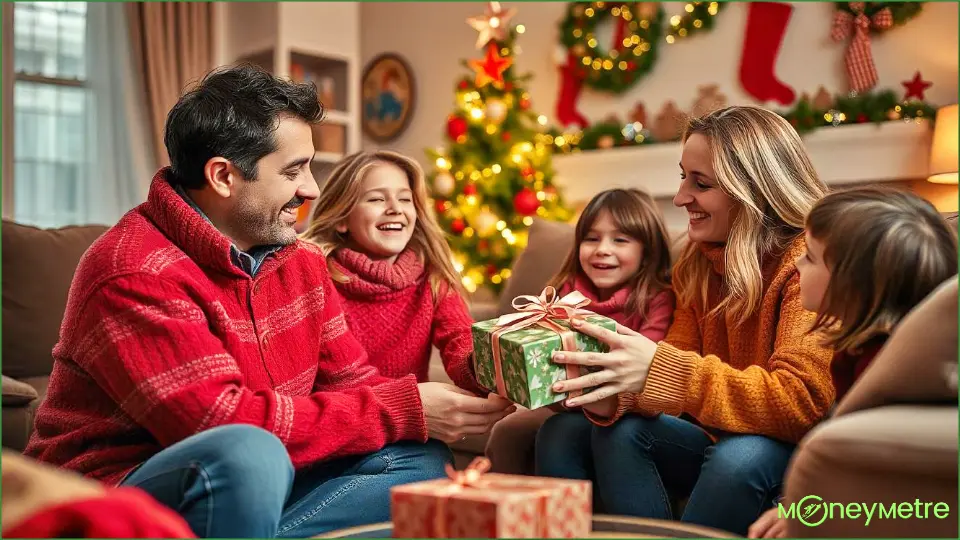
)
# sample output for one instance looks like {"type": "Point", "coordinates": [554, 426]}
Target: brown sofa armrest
{"type": "Point", "coordinates": [883, 455]}
{"type": "Point", "coordinates": [17, 393]}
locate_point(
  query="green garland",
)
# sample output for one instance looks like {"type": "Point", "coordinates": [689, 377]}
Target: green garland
{"type": "Point", "coordinates": [901, 11]}
{"type": "Point", "coordinates": [699, 16]}
{"type": "Point", "coordinates": [875, 107]}
{"type": "Point", "coordinates": [618, 69]}
{"type": "Point", "coordinates": [872, 107]}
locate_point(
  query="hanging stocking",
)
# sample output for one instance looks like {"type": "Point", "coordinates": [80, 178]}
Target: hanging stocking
{"type": "Point", "coordinates": [766, 26]}
{"type": "Point", "coordinates": [571, 83]}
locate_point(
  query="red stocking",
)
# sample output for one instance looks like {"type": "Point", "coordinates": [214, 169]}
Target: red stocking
{"type": "Point", "coordinates": [766, 25]}
{"type": "Point", "coordinates": [570, 86]}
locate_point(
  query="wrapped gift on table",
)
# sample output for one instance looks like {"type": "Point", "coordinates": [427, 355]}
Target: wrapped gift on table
{"type": "Point", "coordinates": [476, 504]}
{"type": "Point", "coordinates": [513, 354]}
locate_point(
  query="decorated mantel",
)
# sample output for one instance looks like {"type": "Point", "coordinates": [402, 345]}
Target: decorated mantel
{"type": "Point", "coordinates": [867, 134]}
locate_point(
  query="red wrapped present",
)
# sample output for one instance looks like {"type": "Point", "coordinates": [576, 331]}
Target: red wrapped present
{"type": "Point", "coordinates": [476, 504]}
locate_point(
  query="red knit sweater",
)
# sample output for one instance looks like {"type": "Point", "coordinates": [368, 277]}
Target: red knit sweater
{"type": "Point", "coordinates": [390, 309]}
{"type": "Point", "coordinates": [164, 337]}
{"type": "Point", "coordinates": [653, 326]}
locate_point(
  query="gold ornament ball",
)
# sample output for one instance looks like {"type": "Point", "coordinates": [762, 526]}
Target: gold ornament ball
{"type": "Point", "coordinates": [485, 223]}
{"type": "Point", "coordinates": [443, 184]}
{"type": "Point", "coordinates": [496, 110]}
{"type": "Point", "coordinates": [605, 142]}
{"type": "Point", "coordinates": [893, 115]}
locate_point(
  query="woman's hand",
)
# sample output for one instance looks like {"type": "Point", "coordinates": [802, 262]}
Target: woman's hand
{"type": "Point", "coordinates": [624, 368]}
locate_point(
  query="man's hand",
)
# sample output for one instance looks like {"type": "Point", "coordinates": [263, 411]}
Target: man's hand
{"type": "Point", "coordinates": [453, 413]}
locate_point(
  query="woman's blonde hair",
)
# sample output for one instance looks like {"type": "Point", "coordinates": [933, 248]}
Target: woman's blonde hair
{"type": "Point", "coordinates": [886, 251]}
{"type": "Point", "coordinates": [760, 162]}
{"type": "Point", "coordinates": [635, 214]}
{"type": "Point", "coordinates": [342, 191]}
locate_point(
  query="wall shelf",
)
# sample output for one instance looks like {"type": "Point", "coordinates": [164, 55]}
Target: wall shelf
{"type": "Point", "coordinates": [887, 152]}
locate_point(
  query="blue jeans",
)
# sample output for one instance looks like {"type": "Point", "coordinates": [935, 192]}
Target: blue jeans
{"type": "Point", "coordinates": [639, 464]}
{"type": "Point", "coordinates": [237, 481]}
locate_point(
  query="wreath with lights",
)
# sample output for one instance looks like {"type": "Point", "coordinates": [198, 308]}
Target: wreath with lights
{"type": "Point", "coordinates": [641, 25]}
{"type": "Point", "coordinates": [900, 12]}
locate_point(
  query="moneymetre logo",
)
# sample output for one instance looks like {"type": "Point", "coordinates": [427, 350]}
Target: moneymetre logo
{"type": "Point", "coordinates": [812, 510]}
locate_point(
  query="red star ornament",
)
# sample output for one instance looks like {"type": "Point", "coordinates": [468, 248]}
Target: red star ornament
{"type": "Point", "coordinates": [491, 68]}
{"type": "Point", "coordinates": [916, 87]}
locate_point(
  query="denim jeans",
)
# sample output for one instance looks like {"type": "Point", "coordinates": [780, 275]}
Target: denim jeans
{"type": "Point", "coordinates": [237, 481]}
{"type": "Point", "coordinates": [639, 464]}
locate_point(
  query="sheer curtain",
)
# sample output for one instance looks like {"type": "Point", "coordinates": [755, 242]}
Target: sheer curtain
{"type": "Point", "coordinates": [121, 162]}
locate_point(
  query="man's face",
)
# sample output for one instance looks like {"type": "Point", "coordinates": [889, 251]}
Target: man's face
{"type": "Point", "coordinates": [265, 208]}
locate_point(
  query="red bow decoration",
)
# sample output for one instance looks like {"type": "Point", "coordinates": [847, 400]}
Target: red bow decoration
{"type": "Point", "coordinates": [859, 59]}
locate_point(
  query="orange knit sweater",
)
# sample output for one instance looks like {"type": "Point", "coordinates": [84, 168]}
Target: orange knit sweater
{"type": "Point", "coordinates": [767, 376]}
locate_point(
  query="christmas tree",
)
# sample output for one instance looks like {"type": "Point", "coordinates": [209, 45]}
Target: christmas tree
{"type": "Point", "coordinates": [494, 175]}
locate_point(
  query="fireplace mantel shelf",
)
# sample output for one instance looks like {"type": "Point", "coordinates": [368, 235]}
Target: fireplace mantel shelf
{"type": "Point", "coordinates": [892, 151]}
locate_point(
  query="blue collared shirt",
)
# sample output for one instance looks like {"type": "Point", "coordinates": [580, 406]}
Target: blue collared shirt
{"type": "Point", "coordinates": [248, 261]}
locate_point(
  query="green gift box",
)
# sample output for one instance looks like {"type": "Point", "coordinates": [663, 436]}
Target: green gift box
{"type": "Point", "coordinates": [525, 356]}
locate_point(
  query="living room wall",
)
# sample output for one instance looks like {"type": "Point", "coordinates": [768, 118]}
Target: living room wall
{"type": "Point", "coordinates": [434, 38]}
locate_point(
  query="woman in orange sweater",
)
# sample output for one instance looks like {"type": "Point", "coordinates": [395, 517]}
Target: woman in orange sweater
{"type": "Point", "coordinates": [738, 377]}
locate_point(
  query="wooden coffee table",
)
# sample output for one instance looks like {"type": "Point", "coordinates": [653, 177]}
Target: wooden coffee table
{"type": "Point", "coordinates": [603, 527]}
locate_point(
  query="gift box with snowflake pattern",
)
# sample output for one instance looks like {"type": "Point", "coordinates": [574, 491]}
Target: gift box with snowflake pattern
{"type": "Point", "coordinates": [528, 371]}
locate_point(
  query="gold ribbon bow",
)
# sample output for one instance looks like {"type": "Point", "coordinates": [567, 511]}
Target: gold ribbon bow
{"type": "Point", "coordinates": [473, 478]}
{"type": "Point", "coordinates": [861, 70]}
{"type": "Point", "coordinates": [539, 310]}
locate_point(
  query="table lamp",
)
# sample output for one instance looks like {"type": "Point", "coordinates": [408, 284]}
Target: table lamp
{"type": "Point", "coordinates": [943, 152]}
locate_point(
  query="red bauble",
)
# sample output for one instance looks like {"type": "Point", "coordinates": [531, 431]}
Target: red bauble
{"type": "Point", "coordinates": [491, 269]}
{"type": "Point", "coordinates": [483, 246]}
{"type": "Point", "coordinates": [458, 225]}
{"type": "Point", "coordinates": [463, 85]}
{"type": "Point", "coordinates": [456, 127]}
{"type": "Point", "coordinates": [470, 189]}
{"type": "Point", "coordinates": [438, 204]}
{"type": "Point", "coordinates": [524, 104]}
{"type": "Point", "coordinates": [508, 87]}
{"type": "Point", "coordinates": [526, 202]}
{"type": "Point", "coordinates": [505, 136]}
{"type": "Point", "coordinates": [861, 118]}
{"type": "Point", "coordinates": [527, 172]}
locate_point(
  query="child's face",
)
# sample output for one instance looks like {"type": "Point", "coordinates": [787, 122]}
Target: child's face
{"type": "Point", "coordinates": [383, 221]}
{"type": "Point", "coordinates": [609, 257]}
{"type": "Point", "coordinates": [711, 211]}
{"type": "Point", "coordinates": [814, 275]}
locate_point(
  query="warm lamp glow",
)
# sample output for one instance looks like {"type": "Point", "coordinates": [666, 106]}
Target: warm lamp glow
{"type": "Point", "coordinates": [943, 153]}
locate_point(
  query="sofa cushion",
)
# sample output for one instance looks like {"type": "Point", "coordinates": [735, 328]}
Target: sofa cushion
{"type": "Point", "coordinates": [548, 243]}
{"type": "Point", "coordinates": [17, 393]}
{"type": "Point", "coordinates": [38, 266]}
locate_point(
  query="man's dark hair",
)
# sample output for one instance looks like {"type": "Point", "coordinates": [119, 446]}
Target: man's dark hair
{"type": "Point", "coordinates": [233, 113]}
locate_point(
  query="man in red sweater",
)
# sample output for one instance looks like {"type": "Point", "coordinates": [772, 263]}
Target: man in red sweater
{"type": "Point", "coordinates": [204, 357]}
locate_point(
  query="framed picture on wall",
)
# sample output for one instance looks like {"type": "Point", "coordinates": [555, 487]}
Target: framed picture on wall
{"type": "Point", "coordinates": [388, 99]}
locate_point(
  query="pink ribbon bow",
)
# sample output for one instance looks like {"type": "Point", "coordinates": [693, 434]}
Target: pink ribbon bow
{"type": "Point", "coordinates": [539, 310]}
{"type": "Point", "coordinates": [859, 59]}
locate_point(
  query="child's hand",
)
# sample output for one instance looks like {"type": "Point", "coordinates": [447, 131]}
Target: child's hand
{"type": "Point", "coordinates": [768, 525]}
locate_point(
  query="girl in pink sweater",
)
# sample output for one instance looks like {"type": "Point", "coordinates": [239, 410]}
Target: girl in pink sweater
{"type": "Point", "coordinates": [621, 262]}
{"type": "Point", "coordinates": [392, 267]}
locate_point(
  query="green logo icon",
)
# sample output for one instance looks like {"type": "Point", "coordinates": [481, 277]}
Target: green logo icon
{"type": "Point", "coordinates": [812, 511]}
